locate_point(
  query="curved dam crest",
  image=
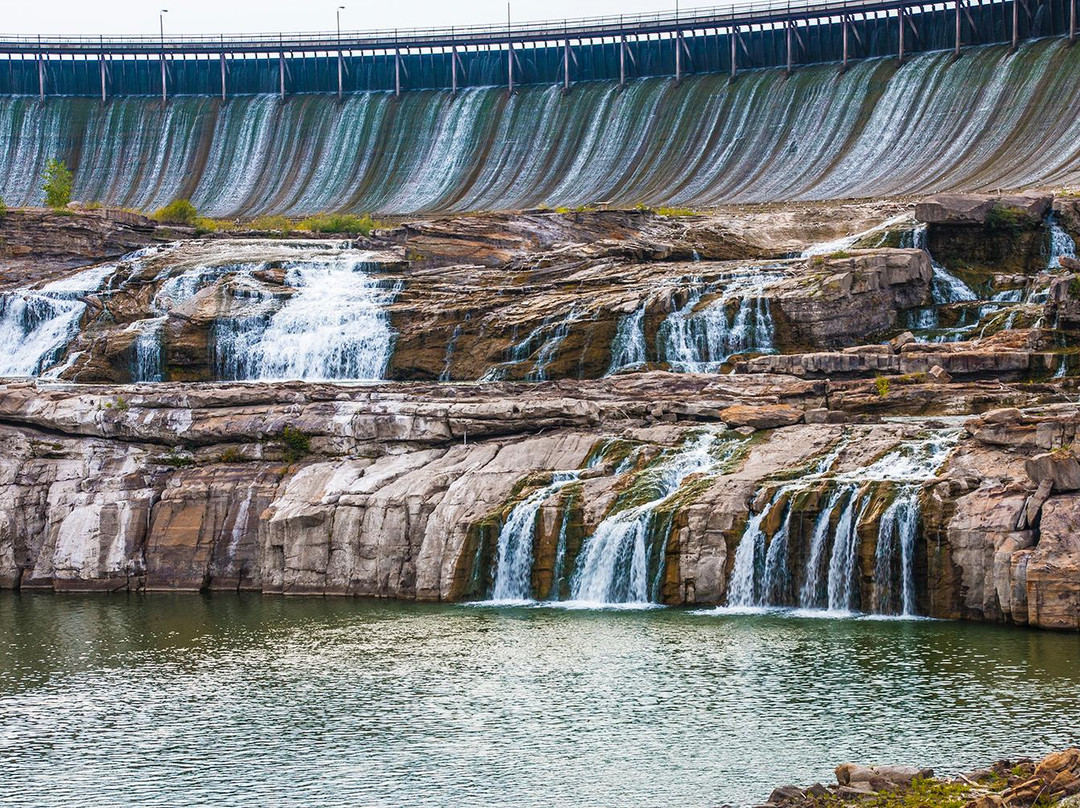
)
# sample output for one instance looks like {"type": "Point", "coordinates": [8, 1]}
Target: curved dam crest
{"type": "Point", "coordinates": [988, 120]}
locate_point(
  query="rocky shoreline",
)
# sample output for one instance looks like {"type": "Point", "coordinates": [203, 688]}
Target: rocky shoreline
{"type": "Point", "coordinates": [1018, 783]}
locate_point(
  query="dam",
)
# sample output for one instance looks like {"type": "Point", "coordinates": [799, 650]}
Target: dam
{"type": "Point", "coordinates": [855, 110]}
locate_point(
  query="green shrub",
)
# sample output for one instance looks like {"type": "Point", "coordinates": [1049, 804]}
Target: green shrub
{"type": "Point", "coordinates": [3, 207]}
{"type": "Point", "coordinates": [231, 455]}
{"type": "Point", "coordinates": [272, 223]}
{"type": "Point", "coordinates": [1001, 217]}
{"type": "Point", "coordinates": [836, 256]}
{"type": "Point", "coordinates": [296, 444]}
{"type": "Point", "coordinates": [676, 211]}
{"type": "Point", "coordinates": [179, 211]}
{"type": "Point", "coordinates": [881, 384]}
{"type": "Point", "coordinates": [339, 223]}
{"type": "Point", "coordinates": [56, 182]}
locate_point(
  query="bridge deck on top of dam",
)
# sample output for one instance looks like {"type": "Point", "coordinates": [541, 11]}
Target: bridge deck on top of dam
{"type": "Point", "coordinates": [719, 40]}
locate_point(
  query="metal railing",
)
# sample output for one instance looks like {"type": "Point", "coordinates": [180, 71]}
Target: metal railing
{"type": "Point", "coordinates": [747, 14]}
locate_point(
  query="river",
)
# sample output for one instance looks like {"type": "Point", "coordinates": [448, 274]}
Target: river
{"type": "Point", "coordinates": [250, 701]}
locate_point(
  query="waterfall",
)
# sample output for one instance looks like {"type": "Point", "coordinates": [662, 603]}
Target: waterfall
{"type": "Point", "coordinates": [1061, 243]}
{"type": "Point", "coordinates": [514, 553]}
{"type": "Point", "coordinates": [846, 242]}
{"type": "Point", "coordinates": [841, 584]}
{"type": "Point", "coordinates": [945, 287]}
{"type": "Point", "coordinates": [749, 559]}
{"type": "Point", "coordinates": [147, 365]}
{"type": "Point", "coordinates": [335, 326]}
{"type": "Point", "coordinates": [700, 340]}
{"type": "Point", "coordinates": [813, 591]}
{"type": "Point", "coordinates": [897, 531]}
{"type": "Point", "coordinates": [444, 376]}
{"type": "Point", "coordinates": [622, 561]}
{"type": "Point", "coordinates": [541, 345]}
{"type": "Point", "coordinates": [628, 348]}
{"type": "Point", "coordinates": [36, 325]}
{"type": "Point", "coordinates": [830, 577]}
{"type": "Point", "coordinates": [872, 132]}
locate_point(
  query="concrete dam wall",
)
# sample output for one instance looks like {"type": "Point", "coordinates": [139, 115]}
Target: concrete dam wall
{"type": "Point", "coordinates": [988, 119]}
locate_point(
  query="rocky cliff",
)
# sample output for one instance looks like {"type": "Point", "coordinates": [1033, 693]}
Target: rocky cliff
{"type": "Point", "coordinates": [608, 406]}
{"type": "Point", "coordinates": [400, 491]}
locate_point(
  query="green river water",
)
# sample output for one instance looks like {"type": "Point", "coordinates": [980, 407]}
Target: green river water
{"type": "Point", "coordinates": [253, 701]}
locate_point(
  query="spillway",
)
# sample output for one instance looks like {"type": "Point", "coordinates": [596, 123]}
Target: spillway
{"type": "Point", "coordinates": [989, 119]}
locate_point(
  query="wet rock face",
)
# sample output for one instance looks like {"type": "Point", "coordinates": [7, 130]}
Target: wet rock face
{"type": "Point", "coordinates": [981, 234]}
{"type": "Point", "coordinates": [840, 301]}
{"type": "Point", "coordinates": [400, 491]}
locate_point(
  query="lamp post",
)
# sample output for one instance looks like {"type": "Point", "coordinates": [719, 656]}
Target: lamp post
{"type": "Point", "coordinates": [161, 27]}
{"type": "Point", "coordinates": [340, 66]}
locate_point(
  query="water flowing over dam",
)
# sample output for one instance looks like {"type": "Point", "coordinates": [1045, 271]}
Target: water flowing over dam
{"type": "Point", "coordinates": [989, 119]}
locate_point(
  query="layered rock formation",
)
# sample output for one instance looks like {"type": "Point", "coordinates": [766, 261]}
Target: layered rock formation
{"type": "Point", "coordinates": [397, 491]}
{"type": "Point", "coordinates": [907, 476]}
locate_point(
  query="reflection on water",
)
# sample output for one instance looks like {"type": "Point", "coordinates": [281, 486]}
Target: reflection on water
{"type": "Point", "coordinates": [167, 700]}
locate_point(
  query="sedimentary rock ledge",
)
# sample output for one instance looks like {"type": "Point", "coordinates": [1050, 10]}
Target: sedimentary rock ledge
{"type": "Point", "coordinates": [395, 490]}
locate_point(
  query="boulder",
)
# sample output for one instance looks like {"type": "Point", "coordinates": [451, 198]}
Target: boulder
{"type": "Point", "coordinates": [900, 340]}
{"type": "Point", "coordinates": [763, 416]}
{"type": "Point", "coordinates": [854, 773]}
{"type": "Point", "coordinates": [975, 209]}
{"type": "Point", "coordinates": [955, 209]}
{"type": "Point", "coordinates": [1061, 467]}
{"type": "Point", "coordinates": [786, 794]}
{"type": "Point", "coordinates": [940, 375]}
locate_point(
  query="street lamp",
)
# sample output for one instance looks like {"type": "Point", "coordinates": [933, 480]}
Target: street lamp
{"type": "Point", "coordinates": [339, 61]}
{"type": "Point", "coordinates": [161, 27]}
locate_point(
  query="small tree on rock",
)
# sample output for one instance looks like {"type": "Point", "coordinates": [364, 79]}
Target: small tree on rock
{"type": "Point", "coordinates": [57, 182]}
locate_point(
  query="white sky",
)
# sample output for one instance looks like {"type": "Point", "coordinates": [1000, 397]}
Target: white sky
{"type": "Point", "coordinates": [31, 17]}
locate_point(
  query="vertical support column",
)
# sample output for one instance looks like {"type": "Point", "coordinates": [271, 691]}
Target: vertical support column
{"type": "Point", "coordinates": [281, 74]}
{"type": "Point", "coordinates": [678, 56]}
{"type": "Point", "coordinates": [397, 72]}
{"type": "Point", "coordinates": [453, 70]}
{"type": "Point", "coordinates": [903, 22]}
{"type": "Point", "coordinates": [1016, 26]}
{"type": "Point", "coordinates": [101, 65]}
{"type": "Point", "coordinates": [844, 28]}
{"type": "Point", "coordinates": [340, 73]}
{"type": "Point", "coordinates": [789, 47]}
{"type": "Point", "coordinates": [510, 66]}
{"type": "Point", "coordinates": [164, 88]}
{"type": "Point", "coordinates": [223, 75]}
{"type": "Point", "coordinates": [734, 34]}
{"type": "Point", "coordinates": [41, 77]}
{"type": "Point", "coordinates": [1072, 21]}
{"type": "Point", "coordinates": [622, 61]}
{"type": "Point", "coordinates": [956, 51]}
{"type": "Point", "coordinates": [566, 66]}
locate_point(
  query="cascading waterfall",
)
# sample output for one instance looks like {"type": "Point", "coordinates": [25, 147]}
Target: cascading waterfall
{"type": "Point", "coordinates": [541, 345]}
{"type": "Point", "coordinates": [628, 349]}
{"type": "Point", "coordinates": [622, 561]}
{"type": "Point", "coordinates": [873, 131]}
{"type": "Point", "coordinates": [760, 576]}
{"type": "Point", "coordinates": [693, 339]}
{"type": "Point", "coordinates": [514, 550]}
{"type": "Point", "coordinates": [945, 287]}
{"type": "Point", "coordinates": [335, 326]}
{"type": "Point", "coordinates": [147, 364]}
{"type": "Point", "coordinates": [840, 583]}
{"type": "Point", "coordinates": [897, 531]}
{"type": "Point", "coordinates": [1061, 243]}
{"type": "Point", "coordinates": [36, 325]}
